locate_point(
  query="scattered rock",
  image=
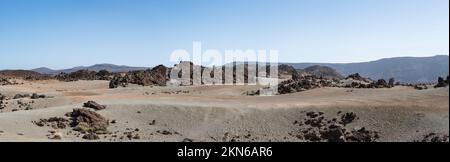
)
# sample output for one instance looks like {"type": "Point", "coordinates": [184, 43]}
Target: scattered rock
{"type": "Point", "coordinates": [56, 135]}
{"type": "Point", "coordinates": [17, 96]}
{"type": "Point", "coordinates": [85, 120]}
{"type": "Point", "coordinates": [164, 132]}
{"type": "Point", "coordinates": [316, 128]}
{"type": "Point", "coordinates": [94, 105]}
{"type": "Point", "coordinates": [420, 86]}
{"type": "Point", "coordinates": [6, 81]}
{"type": "Point", "coordinates": [152, 123]}
{"type": "Point", "coordinates": [136, 136]}
{"type": "Point", "coordinates": [36, 96]}
{"type": "Point", "coordinates": [334, 133]}
{"type": "Point", "coordinates": [91, 136]}
{"type": "Point", "coordinates": [381, 83]}
{"type": "Point", "coordinates": [348, 118]}
{"type": "Point", "coordinates": [442, 82]}
{"type": "Point", "coordinates": [435, 137]}
{"type": "Point", "coordinates": [187, 140]}
{"type": "Point", "coordinates": [54, 122]}
{"type": "Point", "coordinates": [392, 82]}
{"type": "Point", "coordinates": [2, 97]}
{"type": "Point", "coordinates": [362, 135]}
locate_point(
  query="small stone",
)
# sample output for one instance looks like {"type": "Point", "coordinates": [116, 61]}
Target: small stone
{"type": "Point", "coordinates": [91, 136]}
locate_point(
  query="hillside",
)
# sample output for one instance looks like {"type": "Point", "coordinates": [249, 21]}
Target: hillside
{"type": "Point", "coordinates": [403, 69]}
{"type": "Point", "coordinates": [96, 67]}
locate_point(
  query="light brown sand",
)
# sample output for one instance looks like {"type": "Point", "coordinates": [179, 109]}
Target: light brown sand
{"type": "Point", "coordinates": [218, 113]}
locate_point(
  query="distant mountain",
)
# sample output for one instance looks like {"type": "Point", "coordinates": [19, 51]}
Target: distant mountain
{"type": "Point", "coordinates": [322, 71]}
{"type": "Point", "coordinates": [96, 67]}
{"type": "Point", "coordinates": [25, 74]}
{"type": "Point", "coordinates": [44, 70]}
{"type": "Point", "coordinates": [403, 69]}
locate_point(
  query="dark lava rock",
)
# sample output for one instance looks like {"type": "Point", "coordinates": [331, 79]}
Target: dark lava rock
{"type": "Point", "coordinates": [152, 123]}
{"type": "Point", "coordinates": [91, 136]}
{"type": "Point", "coordinates": [392, 82]}
{"type": "Point", "coordinates": [355, 76]}
{"type": "Point", "coordinates": [84, 74]}
{"type": "Point", "coordinates": [85, 120]}
{"type": "Point", "coordinates": [442, 82]}
{"type": "Point", "coordinates": [312, 136]}
{"type": "Point", "coordinates": [164, 132]}
{"type": "Point", "coordinates": [17, 96]}
{"type": "Point", "coordinates": [313, 114]}
{"type": "Point", "coordinates": [334, 133]}
{"type": "Point", "coordinates": [54, 122]}
{"type": "Point", "coordinates": [2, 97]}
{"type": "Point", "coordinates": [436, 137]}
{"type": "Point", "coordinates": [317, 128]}
{"type": "Point", "coordinates": [94, 105]}
{"type": "Point", "coordinates": [362, 135]}
{"type": "Point", "coordinates": [156, 76]}
{"type": "Point", "coordinates": [187, 140]}
{"type": "Point", "coordinates": [381, 83]}
{"type": "Point", "coordinates": [348, 118]}
{"type": "Point", "coordinates": [36, 96]}
{"type": "Point", "coordinates": [420, 86]}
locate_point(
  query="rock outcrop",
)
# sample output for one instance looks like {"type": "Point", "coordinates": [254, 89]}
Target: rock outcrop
{"type": "Point", "coordinates": [84, 120]}
{"type": "Point", "coordinates": [84, 75]}
{"type": "Point", "coordinates": [94, 105]}
{"type": "Point", "coordinates": [316, 128]}
{"type": "Point", "coordinates": [442, 82]}
{"type": "Point", "coordinates": [156, 76]}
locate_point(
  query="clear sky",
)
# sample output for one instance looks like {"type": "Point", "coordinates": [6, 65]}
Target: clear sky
{"type": "Point", "coordinates": [66, 33]}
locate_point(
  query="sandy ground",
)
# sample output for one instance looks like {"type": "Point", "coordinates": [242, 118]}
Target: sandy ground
{"type": "Point", "coordinates": [221, 113]}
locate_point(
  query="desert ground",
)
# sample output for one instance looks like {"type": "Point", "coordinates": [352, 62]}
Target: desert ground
{"type": "Point", "coordinates": [219, 113]}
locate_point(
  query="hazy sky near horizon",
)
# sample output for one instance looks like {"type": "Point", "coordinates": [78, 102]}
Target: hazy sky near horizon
{"type": "Point", "coordinates": [66, 33]}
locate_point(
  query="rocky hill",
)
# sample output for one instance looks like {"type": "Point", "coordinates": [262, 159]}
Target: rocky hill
{"type": "Point", "coordinates": [403, 69]}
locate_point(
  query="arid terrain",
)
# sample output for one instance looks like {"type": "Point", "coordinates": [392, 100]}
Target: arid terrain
{"type": "Point", "coordinates": [222, 113]}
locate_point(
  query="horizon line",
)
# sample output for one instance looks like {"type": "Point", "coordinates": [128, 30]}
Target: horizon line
{"type": "Point", "coordinates": [280, 62]}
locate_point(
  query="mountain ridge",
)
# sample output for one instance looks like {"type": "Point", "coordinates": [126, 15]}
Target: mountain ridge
{"type": "Point", "coordinates": [95, 67]}
{"type": "Point", "coordinates": [403, 69]}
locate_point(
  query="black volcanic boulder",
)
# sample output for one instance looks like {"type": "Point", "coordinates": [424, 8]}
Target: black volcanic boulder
{"type": "Point", "coordinates": [362, 135]}
{"type": "Point", "coordinates": [391, 82]}
{"type": "Point", "coordinates": [85, 120]}
{"type": "Point", "coordinates": [2, 97]}
{"type": "Point", "coordinates": [159, 75]}
{"type": "Point", "coordinates": [355, 76]}
{"type": "Point", "coordinates": [94, 105]}
{"type": "Point", "coordinates": [441, 82]}
{"type": "Point", "coordinates": [435, 137]}
{"type": "Point", "coordinates": [118, 80]}
{"type": "Point", "coordinates": [381, 83]}
{"type": "Point", "coordinates": [420, 86]}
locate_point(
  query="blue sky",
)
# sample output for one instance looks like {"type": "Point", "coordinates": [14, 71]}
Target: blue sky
{"type": "Point", "coordinates": [65, 33]}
